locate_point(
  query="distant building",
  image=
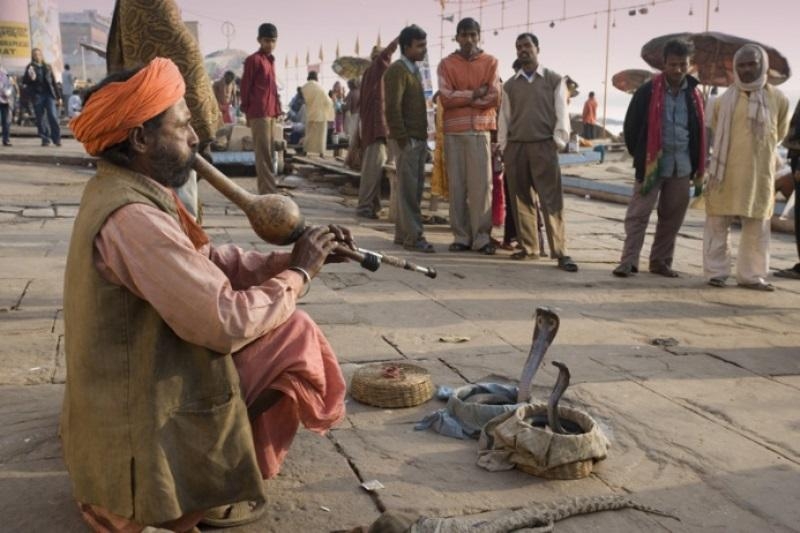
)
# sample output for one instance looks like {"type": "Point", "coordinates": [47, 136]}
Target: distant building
{"type": "Point", "coordinates": [88, 27]}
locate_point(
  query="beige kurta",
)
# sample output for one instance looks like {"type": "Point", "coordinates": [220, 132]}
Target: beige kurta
{"type": "Point", "coordinates": [747, 188]}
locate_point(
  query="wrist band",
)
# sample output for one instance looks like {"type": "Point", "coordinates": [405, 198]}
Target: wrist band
{"type": "Point", "coordinates": [306, 278]}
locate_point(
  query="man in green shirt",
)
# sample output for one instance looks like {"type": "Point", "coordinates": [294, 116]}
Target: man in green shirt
{"type": "Point", "coordinates": [407, 119]}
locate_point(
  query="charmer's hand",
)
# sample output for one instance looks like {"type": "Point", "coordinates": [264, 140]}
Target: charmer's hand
{"type": "Point", "coordinates": [343, 237]}
{"type": "Point", "coordinates": [312, 249]}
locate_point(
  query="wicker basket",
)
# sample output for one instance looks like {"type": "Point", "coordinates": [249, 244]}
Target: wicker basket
{"type": "Point", "coordinates": [391, 385]}
{"type": "Point", "coordinates": [576, 470]}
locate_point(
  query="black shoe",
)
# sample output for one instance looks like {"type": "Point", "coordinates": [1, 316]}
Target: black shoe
{"type": "Point", "coordinates": [7, 144]}
{"type": "Point", "coordinates": [567, 264]}
{"type": "Point", "coordinates": [458, 247]}
{"type": "Point", "coordinates": [488, 249]}
{"type": "Point", "coordinates": [45, 143]}
{"type": "Point", "coordinates": [521, 255]}
{"type": "Point", "coordinates": [420, 246]}
{"type": "Point", "coordinates": [624, 270]}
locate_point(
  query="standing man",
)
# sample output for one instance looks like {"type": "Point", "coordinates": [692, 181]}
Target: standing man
{"type": "Point", "coordinates": [534, 126]}
{"type": "Point", "coordinates": [373, 131]}
{"type": "Point", "coordinates": [351, 126]}
{"type": "Point", "coordinates": [225, 93]}
{"type": "Point", "coordinates": [749, 121]}
{"type": "Point", "coordinates": [407, 119]}
{"type": "Point", "coordinates": [261, 104]}
{"type": "Point", "coordinates": [6, 102]}
{"type": "Point", "coordinates": [469, 92]}
{"type": "Point", "coordinates": [665, 134]}
{"type": "Point", "coordinates": [589, 116]}
{"type": "Point", "coordinates": [41, 85]}
{"type": "Point", "coordinates": [144, 29]}
{"type": "Point", "coordinates": [792, 142]}
{"type": "Point", "coordinates": [319, 111]}
{"type": "Point", "coordinates": [67, 87]}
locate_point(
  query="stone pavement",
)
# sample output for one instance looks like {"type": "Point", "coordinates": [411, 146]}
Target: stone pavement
{"type": "Point", "coordinates": [707, 430]}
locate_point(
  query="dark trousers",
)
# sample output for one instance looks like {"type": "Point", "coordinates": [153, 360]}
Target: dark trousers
{"type": "Point", "coordinates": [588, 131]}
{"type": "Point", "coordinates": [672, 196]}
{"type": "Point", "coordinates": [795, 168]}
{"type": "Point", "coordinates": [5, 121]}
{"type": "Point", "coordinates": [45, 108]}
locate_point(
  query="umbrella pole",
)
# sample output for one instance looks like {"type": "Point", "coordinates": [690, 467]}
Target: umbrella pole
{"type": "Point", "coordinates": [605, 84]}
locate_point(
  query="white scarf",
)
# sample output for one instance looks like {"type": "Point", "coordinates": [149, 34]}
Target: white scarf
{"type": "Point", "coordinates": [758, 115]}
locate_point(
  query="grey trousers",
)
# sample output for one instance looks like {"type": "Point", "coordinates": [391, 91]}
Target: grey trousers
{"type": "Point", "coordinates": [369, 188]}
{"type": "Point", "coordinates": [672, 195]}
{"type": "Point", "coordinates": [410, 183]}
{"type": "Point", "coordinates": [469, 168]}
{"type": "Point", "coordinates": [532, 168]}
{"type": "Point", "coordinates": [261, 129]}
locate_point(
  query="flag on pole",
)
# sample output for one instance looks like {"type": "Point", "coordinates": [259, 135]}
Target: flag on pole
{"type": "Point", "coordinates": [358, 47]}
{"type": "Point", "coordinates": [321, 58]}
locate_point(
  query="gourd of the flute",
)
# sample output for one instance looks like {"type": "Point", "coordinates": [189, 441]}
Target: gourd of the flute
{"type": "Point", "coordinates": [275, 218]}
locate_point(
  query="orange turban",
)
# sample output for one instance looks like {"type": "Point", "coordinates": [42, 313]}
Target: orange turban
{"type": "Point", "coordinates": [120, 106]}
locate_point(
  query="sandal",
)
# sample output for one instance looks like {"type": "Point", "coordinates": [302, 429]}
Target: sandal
{"type": "Point", "coordinates": [234, 514]}
{"type": "Point", "coordinates": [420, 246]}
{"type": "Point", "coordinates": [520, 255]}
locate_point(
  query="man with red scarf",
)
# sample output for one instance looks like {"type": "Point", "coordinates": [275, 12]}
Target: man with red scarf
{"type": "Point", "coordinates": [664, 133]}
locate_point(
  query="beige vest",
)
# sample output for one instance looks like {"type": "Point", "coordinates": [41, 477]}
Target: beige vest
{"type": "Point", "coordinates": [153, 427]}
{"type": "Point", "coordinates": [533, 109]}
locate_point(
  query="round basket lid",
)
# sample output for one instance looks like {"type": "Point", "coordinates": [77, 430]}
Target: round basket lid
{"type": "Point", "coordinates": [391, 385]}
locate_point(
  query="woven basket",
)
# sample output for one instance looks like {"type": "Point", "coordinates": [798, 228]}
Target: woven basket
{"type": "Point", "coordinates": [391, 385]}
{"type": "Point", "coordinates": [576, 470]}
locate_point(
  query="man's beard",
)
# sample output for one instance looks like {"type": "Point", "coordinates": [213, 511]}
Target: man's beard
{"type": "Point", "coordinates": [169, 170]}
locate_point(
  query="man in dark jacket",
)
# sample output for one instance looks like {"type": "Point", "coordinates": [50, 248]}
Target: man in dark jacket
{"type": "Point", "coordinates": [792, 142]}
{"type": "Point", "coordinates": [41, 85]}
{"type": "Point", "coordinates": [664, 133]}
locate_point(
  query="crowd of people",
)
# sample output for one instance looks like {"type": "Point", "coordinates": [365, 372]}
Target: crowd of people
{"type": "Point", "coordinates": [190, 367]}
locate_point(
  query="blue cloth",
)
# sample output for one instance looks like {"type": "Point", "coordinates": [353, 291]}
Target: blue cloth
{"type": "Point", "coordinates": [5, 122]}
{"type": "Point", "coordinates": [675, 160]}
{"type": "Point", "coordinates": [464, 420]}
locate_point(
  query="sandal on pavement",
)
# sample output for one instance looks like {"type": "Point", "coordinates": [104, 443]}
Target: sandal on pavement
{"type": "Point", "coordinates": [420, 246]}
{"type": "Point", "coordinates": [717, 282]}
{"type": "Point", "coordinates": [663, 270]}
{"type": "Point", "coordinates": [234, 514]}
{"type": "Point", "coordinates": [567, 264]}
{"type": "Point", "coordinates": [520, 255]}
{"type": "Point", "coordinates": [760, 286]}
{"type": "Point", "coordinates": [458, 247]}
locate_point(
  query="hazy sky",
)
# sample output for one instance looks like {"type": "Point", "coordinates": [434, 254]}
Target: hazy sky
{"type": "Point", "coordinates": [573, 46]}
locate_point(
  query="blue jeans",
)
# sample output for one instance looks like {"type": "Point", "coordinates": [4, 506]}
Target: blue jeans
{"type": "Point", "coordinates": [5, 121]}
{"type": "Point", "coordinates": [46, 105]}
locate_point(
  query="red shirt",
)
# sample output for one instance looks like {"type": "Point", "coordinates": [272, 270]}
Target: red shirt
{"type": "Point", "coordinates": [259, 87]}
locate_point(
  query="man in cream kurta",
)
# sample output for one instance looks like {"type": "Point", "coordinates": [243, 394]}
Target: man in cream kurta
{"type": "Point", "coordinates": [319, 111]}
{"type": "Point", "coordinates": [749, 121]}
